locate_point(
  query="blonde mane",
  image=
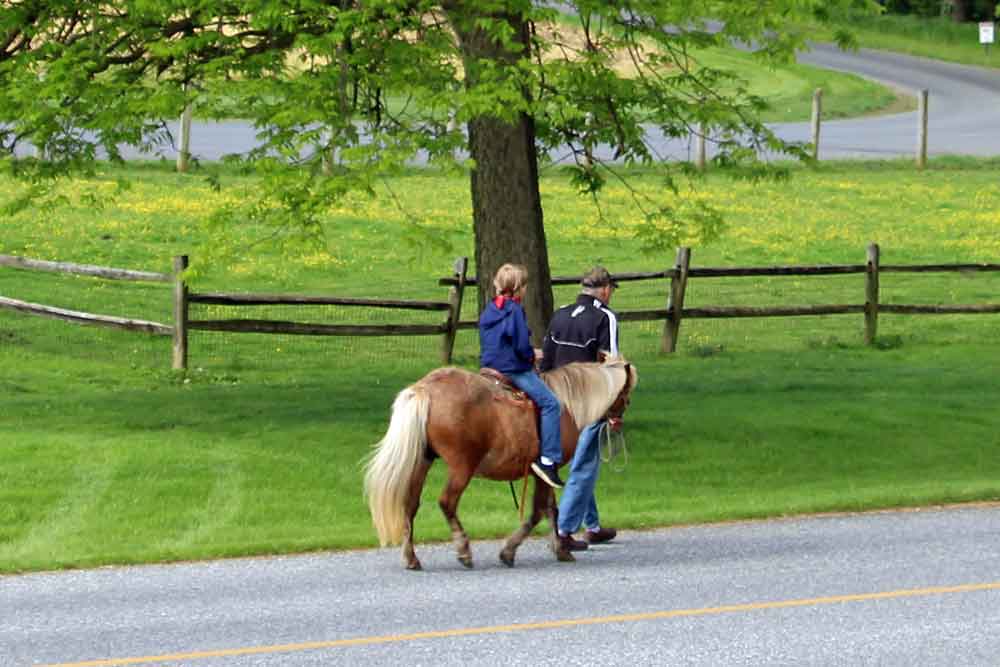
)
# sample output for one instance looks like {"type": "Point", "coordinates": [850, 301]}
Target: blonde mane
{"type": "Point", "coordinates": [587, 390]}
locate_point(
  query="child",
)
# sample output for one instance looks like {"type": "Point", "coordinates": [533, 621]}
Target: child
{"type": "Point", "coordinates": [505, 346]}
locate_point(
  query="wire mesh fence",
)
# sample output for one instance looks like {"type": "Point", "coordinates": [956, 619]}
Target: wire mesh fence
{"type": "Point", "coordinates": [220, 349]}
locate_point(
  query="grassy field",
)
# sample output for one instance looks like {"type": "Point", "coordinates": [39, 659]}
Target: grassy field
{"type": "Point", "coordinates": [938, 38]}
{"type": "Point", "coordinates": [109, 457]}
{"type": "Point", "coordinates": [789, 88]}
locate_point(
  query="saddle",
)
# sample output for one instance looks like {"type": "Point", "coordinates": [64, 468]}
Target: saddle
{"type": "Point", "coordinates": [501, 381]}
{"type": "Point", "coordinates": [508, 391]}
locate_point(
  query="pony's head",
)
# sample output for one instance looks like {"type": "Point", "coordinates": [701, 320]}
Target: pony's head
{"type": "Point", "coordinates": [591, 391]}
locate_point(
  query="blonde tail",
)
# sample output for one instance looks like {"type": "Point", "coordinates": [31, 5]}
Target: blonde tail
{"type": "Point", "coordinates": [391, 464]}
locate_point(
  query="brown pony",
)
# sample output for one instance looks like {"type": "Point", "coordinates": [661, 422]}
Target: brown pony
{"type": "Point", "coordinates": [479, 429]}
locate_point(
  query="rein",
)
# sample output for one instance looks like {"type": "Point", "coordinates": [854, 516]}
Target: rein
{"type": "Point", "coordinates": [611, 445]}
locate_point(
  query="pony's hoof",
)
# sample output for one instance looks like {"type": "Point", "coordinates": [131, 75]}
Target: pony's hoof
{"type": "Point", "coordinates": [507, 558]}
{"type": "Point", "coordinates": [466, 562]}
{"type": "Point", "coordinates": [564, 556]}
{"type": "Point", "coordinates": [414, 565]}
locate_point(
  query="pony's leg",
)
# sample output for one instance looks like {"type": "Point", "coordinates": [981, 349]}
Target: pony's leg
{"type": "Point", "coordinates": [417, 480]}
{"type": "Point", "coordinates": [453, 489]}
{"type": "Point", "coordinates": [541, 499]}
{"type": "Point", "coordinates": [552, 510]}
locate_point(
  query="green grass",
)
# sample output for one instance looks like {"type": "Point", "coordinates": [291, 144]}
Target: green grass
{"type": "Point", "coordinates": [937, 38]}
{"type": "Point", "coordinates": [789, 88]}
{"type": "Point", "coordinates": [111, 458]}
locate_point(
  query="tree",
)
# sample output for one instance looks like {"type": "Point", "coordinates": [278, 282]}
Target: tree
{"type": "Point", "coordinates": [374, 82]}
{"type": "Point", "coordinates": [959, 10]}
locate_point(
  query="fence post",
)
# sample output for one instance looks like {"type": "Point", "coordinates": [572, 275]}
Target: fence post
{"type": "Point", "coordinates": [180, 314]}
{"type": "Point", "coordinates": [817, 112]}
{"type": "Point", "coordinates": [922, 130]}
{"type": "Point", "coordinates": [871, 294]}
{"type": "Point", "coordinates": [454, 312]}
{"type": "Point", "coordinates": [700, 159]}
{"type": "Point", "coordinates": [588, 144]}
{"type": "Point", "coordinates": [184, 154]}
{"type": "Point", "coordinates": [675, 301]}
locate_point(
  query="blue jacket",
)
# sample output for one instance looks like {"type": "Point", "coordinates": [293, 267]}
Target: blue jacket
{"type": "Point", "coordinates": [504, 338]}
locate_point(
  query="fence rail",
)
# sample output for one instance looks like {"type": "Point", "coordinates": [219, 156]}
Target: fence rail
{"type": "Point", "coordinates": [747, 271]}
{"type": "Point", "coordinates": [232, 299]}
{"type": "Point", "coordinates": [83, 269]}
{"type": "Point", "coordinates": [78, 317]}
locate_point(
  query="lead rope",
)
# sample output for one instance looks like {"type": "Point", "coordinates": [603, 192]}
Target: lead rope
{"type": "Point", "coordinates": [524, 491]}
{"type": "Point", "coordinates": [612, 446]}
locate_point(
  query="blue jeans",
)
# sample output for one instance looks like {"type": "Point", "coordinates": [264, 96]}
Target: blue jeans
{"type": "Point", "coordinates": [531, 384]}
{"type": "Point", "coordinates": [578, 505]}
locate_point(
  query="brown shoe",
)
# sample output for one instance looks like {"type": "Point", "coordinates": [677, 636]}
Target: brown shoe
{"type": "Point", "coordinates": [600, 535]}
{"type": "Point", "coordinates": [569, 544]}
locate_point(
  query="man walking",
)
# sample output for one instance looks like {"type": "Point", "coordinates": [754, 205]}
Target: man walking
{"type": "Point", "coordinates": [584, 331]}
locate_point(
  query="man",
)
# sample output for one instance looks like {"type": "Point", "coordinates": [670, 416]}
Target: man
{"type": "Point", "coordinates": [583, 331]}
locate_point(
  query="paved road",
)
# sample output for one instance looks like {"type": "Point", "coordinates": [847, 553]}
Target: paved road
{"type": "Point", "coordinates": [893, 588]}
{"type": "Point", "coordinates": [964, 107]}
{"type": "Point", "coordinates": [964, 114]}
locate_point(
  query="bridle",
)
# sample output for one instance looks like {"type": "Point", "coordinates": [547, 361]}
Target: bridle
{"type": "Point", "coordinates": [611, 442]}
{"type": "Point", "coordinates": [620, 403]}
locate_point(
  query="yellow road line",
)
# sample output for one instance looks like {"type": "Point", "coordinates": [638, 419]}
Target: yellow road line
{"type": "Point", "coordinates": [544, 625]}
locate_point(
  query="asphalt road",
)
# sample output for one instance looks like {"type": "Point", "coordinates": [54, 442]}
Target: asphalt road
{"type": "Point", "coordinates": [964, 114]}
{"type": "Point", "coordinates": [891, 588]}
{"type": "Point", "coordinates": [963, 108]}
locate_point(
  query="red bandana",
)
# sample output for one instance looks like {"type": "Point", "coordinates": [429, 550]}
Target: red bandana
{"type": "Point", "coordinates": [500, 300]}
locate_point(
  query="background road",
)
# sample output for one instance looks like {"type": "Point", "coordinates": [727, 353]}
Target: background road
{"type": "Point", "coordinates": [964, 107]}
{"type": "Point", "coordinates": [964, 114]}
{"type": "Point", "coordinates": [891, 588]}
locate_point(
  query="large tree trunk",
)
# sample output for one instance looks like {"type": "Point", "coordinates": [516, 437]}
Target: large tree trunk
{"type": "Point", "coordinates": [507, 213]}
{"type": "Point", "coordinates": [506, 203]}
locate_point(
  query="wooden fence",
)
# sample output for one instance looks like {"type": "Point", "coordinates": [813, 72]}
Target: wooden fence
{"type": "Point", "coordinates": [675, 312]}
{"type": "Point", "coordinates": [183, 297]}
{"type": "Point", "coordinates": [672, 315]}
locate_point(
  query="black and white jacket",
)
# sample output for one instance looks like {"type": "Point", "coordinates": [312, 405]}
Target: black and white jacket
{"type": "Point", "coordinates": [578, 332]}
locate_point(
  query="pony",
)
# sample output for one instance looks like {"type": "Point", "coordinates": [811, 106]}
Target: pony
{"type": "Point", "coordinates": [480, 429]}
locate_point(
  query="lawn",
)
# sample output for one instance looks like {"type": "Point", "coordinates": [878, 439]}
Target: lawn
{"type": "Point", "coordinates": [939, 38]}
{"type": "Point", "coordinates": [109, 457]}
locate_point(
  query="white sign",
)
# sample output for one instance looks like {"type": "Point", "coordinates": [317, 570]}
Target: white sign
{"type": "Point", "coordinates": [986, 32]}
